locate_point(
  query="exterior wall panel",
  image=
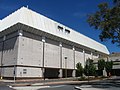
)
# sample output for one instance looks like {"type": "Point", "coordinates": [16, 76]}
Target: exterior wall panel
{"type": "Point", "coordinates": [1, 44]}
{"type": "Point", "coordinates": [10, 51]}
{"type": "Point", "coordinates": [52, 54]}
{"type": "Point", "coordinates": [116, 67]}
{"type": "Point", "coordinates": [88, 55]}
{"type": "Point", "coordinates": [67, 52]}
{"type": "Point", "coordinates": [95, 57]}
{"type": "Point", "coordinates": [8, 72]}
{"type": "Point", "coordinates": [30, 52]}
{"type": "Point", "coordinates": [28, 72]}
{"type": "Point", "coordinates": [79, 57]}
{"type": "Point", "coordinates": [115, 58]}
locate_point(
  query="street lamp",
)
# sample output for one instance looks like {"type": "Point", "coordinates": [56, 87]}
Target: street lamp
{"type": "Point", "coordinates": [66, 67]}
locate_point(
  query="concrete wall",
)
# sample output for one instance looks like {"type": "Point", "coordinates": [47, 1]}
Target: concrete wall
{"type": "Point", "coordinates": [28, 72]}
{"type": "Point", "coordinates": [9, 44]}
{"type": "Point", "coordinates": [88, 55]}
{"type": "Point", "coordinates": [1, 44]}
{"type": "Point", "coordinates": [116, 66]}
{"type": "Point", "coordinates": [52, 54]}
{"type": "Point", "coordinates": [67, 51]}
{"type": "Point", "coordinates": [30, 51]}
{"type": "Point", "coordinates": [10, 51]}
{"type": "Point", "coordinates": [95, 56]}
{"type": "Point", "coordinates": [26, 51]}
{"type": "Point", "coordinates": [79, 56]}
{"type": "Point", "coordinates": [114, 58]}
{"type": "Point", "coordinates": [8, 72]}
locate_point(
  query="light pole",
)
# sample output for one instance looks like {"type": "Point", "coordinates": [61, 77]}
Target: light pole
{"type": "Point", "coordinates": [65, 67]}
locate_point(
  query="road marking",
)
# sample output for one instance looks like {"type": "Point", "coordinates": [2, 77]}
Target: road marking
{"type": "Point", "coordinates": [35, 87]}
{"type": "Point", "coordinates": [78, 88]}
{"type": "Point", "coordinates": [58, 86]}
{"type": "Point", "coordinates": [29, 87]}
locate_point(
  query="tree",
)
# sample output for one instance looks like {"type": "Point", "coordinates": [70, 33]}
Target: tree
{"type": "Point", "coordinates": [107, 20]}
{"type": "Point", "coordinates": [108, 67]}
{"type": "Point", "coordinates": [79, 69]}
{"type": "Point", "coordinates": [101, 65]}
{"type": "Point", "coordinates": [90, 68]}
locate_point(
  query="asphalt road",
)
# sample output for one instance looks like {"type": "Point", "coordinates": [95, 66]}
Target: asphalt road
{"type": "Point", "coordinates": [72, 87]}
{"type": "Point", "coordinates": [110, 84]}
{"type": "Point", "coordinates": [5, 87]}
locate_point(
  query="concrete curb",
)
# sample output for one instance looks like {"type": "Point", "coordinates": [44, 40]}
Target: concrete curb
{"type": "Point", "coordinates": [52, 83]}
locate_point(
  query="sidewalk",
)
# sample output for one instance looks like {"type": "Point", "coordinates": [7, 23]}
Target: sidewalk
{"type": "Point", "coordinates": [37, 80]}
{"type": "Point", "coordinates": [51, 83]}
{"type": "Point", "coordinates": [40, 82]}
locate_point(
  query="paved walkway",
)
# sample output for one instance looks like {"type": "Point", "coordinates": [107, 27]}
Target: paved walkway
{"type": "Point", "coordinates": [40, 82]}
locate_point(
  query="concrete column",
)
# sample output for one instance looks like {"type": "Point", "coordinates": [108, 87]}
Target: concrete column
{"type": "Point", "coordinates": [104, 73]}
{"type": "Point", "coordinates": [74, 73]}
{"type": "Point", "coordinates": [98, 55]}
{"type": "Point", "coordinates": [4, 38]}
{"type": "Point", "coordinates": [43, 39]}
{"type": "Point", "coordinates": [91, 55]}
{"type": "Point", "coordinates": [43, 69]}
{"type": "Point", "coordinates": [74, 56]}
{"type": "Point", "coordinates": [20, 32]}
{"type": "Point", "coordinates": [43, 73]}
{"type": "Point", "coordinates": [60, 71]}
{"type": "Point", "coordinates": [84, 57]}
{"type": "Point", "coordinates": [73, 48]}
{"type": "Point", "coordinates": [60, 44]}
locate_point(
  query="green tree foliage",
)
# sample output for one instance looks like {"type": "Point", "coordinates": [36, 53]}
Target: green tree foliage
{"type": "Point", "coordinates": [79, 69]}
{"type": "Point", "coordinates": [90, 68]}
{"type": "Point", "coordinates": [108, 66]}
{"type": "Point", "coordinates": [107, 19]}
{"type": "Point", "coordinates": [101, 64]}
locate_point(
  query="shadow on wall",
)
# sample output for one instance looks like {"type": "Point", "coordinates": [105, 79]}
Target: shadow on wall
{"type": "Point", "coordinates": [68, 72]}
{"type": "Point", "coordinates": [51, 73]}
{"type": "Point", "coordinates": [8, 44]}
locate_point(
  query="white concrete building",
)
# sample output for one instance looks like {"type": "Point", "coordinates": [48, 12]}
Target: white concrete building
{"type": "Point", "coordinates": [115, 57]}
{"type": "Point", "coordinates": [34, 46]}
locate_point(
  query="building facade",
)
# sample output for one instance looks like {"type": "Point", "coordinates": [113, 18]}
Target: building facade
{"type": "Point", "coordinates": [34, 46]}
{"type": "Point", "coordinates": [115, 57]}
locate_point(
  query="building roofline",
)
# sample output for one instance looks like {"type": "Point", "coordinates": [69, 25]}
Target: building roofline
{"type": "Point", "coordinates": [40, 22]}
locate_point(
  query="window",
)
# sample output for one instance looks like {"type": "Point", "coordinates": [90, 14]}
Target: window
{"type": "Point", "coordinates": [60, 28]}
{"type": "Point", "coordinates": [67, 31]}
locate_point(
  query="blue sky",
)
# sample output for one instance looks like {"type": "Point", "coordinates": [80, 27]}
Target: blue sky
{"type": "Point", "coordinates": [72, 13]}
